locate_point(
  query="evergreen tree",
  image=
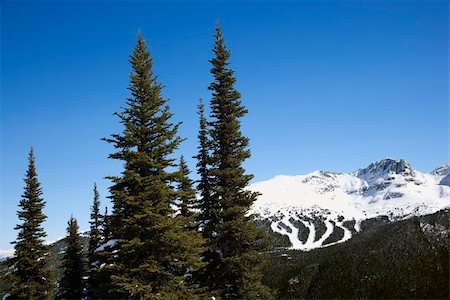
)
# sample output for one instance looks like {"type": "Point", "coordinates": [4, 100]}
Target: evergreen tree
{"type": "Point", "coordinates": [95, 234]}
{"type": "Point", "coordinates": [186, 192]}
{"type": "Point", "coordinates": [209, 208]}
{"type": "Point", "coordinates": [235, 270]}
{"type": "Point", "coordinates": [106, 225]}
{"type": "Point", "coordinates": [71, 283]}
{"type": "Point", "coordinates": [102, 268]}
{"type": "Point", "coordinates": [95, 238]}
{"type": "Point", "coordinates": [30, 277]}
{"type": "Point", "coordinates": [204, 183]}
{"type": "Point", "coordinates": [154, 250]}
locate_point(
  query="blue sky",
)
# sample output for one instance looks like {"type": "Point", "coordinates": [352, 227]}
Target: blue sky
{"type": "Point", "coordinates": [329, 85]}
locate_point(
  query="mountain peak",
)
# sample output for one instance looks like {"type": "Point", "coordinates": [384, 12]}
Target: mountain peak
{"type": "Point", "coordinates": [384, 167]}
{"type": "Point", "coordinates": [441, 170]}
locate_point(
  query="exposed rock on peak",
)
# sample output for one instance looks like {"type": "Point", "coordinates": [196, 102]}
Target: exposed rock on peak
{"type": "Point", "coordinates": [384, 167]}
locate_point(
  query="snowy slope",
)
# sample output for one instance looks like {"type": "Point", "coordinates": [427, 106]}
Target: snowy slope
{"type": "Point", "coordinates": [338, 201]}
{"type": "Point", "coordinates": [4, 254]}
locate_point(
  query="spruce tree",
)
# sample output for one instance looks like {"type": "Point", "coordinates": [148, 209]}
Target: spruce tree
{"type": "Point", "coordinates": [95, 238]}
{"type": "Point", "coordinates": [101, 267]}
{"type": "Point", "coordinates": [209, 209]}
{"type": "Point", "coordinates": [71, 283]}
{"type": "Point", "coordinates": [95, 234]}
{"type": "Point", "coordinates": [235, 270]}
{"type": "Point", "coordinates": [203, 161]}
{"type": "Point", "coordinates": [154, 250]}
{"type": "Point", "coordinates": [30, 277]}
{"type": "Point", "coordinates": [106, 225]}
{"type": "Point", "coordinates": [186, 192]}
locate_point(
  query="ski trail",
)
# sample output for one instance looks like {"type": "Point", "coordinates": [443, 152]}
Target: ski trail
{"type": "Point", "coordinates": [293, 235]}
{"type": "Point", "coordinates": [285, 227]}
{"type": "Point", "coordinates": [346, 237]}
{"type": "Point", "coordinates": [327, 233]}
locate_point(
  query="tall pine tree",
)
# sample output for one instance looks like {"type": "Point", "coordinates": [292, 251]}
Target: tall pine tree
{"type": "Point", "coordinates": [71, 283]}
{"type": "Point", "coordinates": [235, 268]}
{"type": "Point", "coordinates": [186, 192]}
{"type": "Point", "coordinates": [106, 225]}
{"type": "Point", "coordinates": [209, 208]}
{"type": "Point", "coordinates": [101, 262]}
{"type": "Point", "coordinates": [154, 250]}
{"type": "Point", "coordinates": [204, 182]}
{"type": "Point", "coordinates": [95, 238]}
{"type": "Point", "coordinates": [95, 234]}
{"type": "Point", "coordinates": [30, 277]}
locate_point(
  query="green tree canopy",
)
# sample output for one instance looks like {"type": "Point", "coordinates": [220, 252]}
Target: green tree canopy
{"type": "Point", "coordinates": [30, 277]}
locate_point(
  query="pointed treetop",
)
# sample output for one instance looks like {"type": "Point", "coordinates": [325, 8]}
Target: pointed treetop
{"type": "Point", "coordinates": [201, 108]}
{"type": "Point", "coordinates": [31, 161]}
{"type": "Point", "coordinates": [31, 153]}
{"type": "Point", "coordinates": [182, 160]}
{"type": "Point", "coordinates": [96, 203]}
{"type": "Point", "coordinates": [218, 28]}
{"type": "Point", "coordinates": [201, 112]}
{"type": "Point", "coordinates": [141, 39]}
{"type": "Point", "coordinates": [220, 47]}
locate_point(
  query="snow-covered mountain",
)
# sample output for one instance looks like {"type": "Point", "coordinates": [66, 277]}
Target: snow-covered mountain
{"type": "Point", "coordinates": [324, 208]}
{"type": "Point", "coordinates": [4, 254]}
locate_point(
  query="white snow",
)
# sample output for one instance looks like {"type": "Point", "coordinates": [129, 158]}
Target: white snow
{"type": "Point", "coordinates": [53, 241]}
{"type": "Point", "coordinates": [4, 254]}
{"type": "Point", "coordinates": [387, 187]}
{"type": "Point", "coordinates": [109, 243]}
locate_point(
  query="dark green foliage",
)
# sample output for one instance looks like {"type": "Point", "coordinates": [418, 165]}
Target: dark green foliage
{"type": "Point", "coordinates": [320, 227]}
{"type": "Point", "coordinates": [208, 216]}
{"type": "Point", "coordinates": [100, 268]}
{"type": "Point", "coordinates": [186, 192]}
{"type": "Point", "coordinates": [106, 225]}
{"type": "Point", "coordinates": [419, 269]}
{"type": "Point", "coordinates": [5, 285]}
{"type": "Point", "coordinates": [95, 237]}
{"type": "Point", "coordinates": [350, 225]}
{"type": "Point", "coordinates": [407, 259]}
{"type": "Point", "coordinates": [303, 231]}
{"type": "Point", "coordinates": [154, 249]}
{"type": "Point", "coordinates": [234, 244]}
{"type": "Point", "coordinates": [278, 240]}
{"type": "Point", "coordinates": [71, 283]}
{"type": "Point", "coordinates": [56, 252]}
{"type": "Point", "coordinates": [374, 223]}
{"type": "Point", "coordinates": [204, 183]}
{"type": "Point", "coordinates": [336, 235]}
{"type": "Point", "coordinates": [95, 229]}
{"type": "Point", "coordinates": [30, 277]}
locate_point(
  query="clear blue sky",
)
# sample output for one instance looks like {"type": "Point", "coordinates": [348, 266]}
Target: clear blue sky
{"type": "Point", "coordinates": [329, 85]}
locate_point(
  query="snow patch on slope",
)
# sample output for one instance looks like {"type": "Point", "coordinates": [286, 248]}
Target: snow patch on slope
{"type": "Point", "coordinates": [4, 254]}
